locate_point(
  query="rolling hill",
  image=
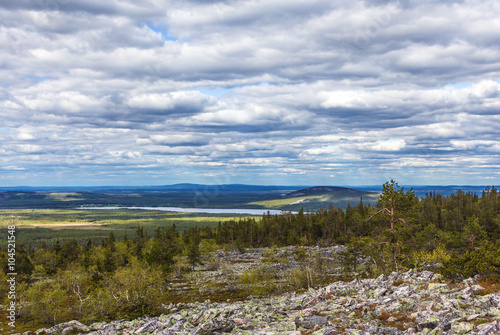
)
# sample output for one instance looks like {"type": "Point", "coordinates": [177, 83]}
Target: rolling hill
{"type": "Point", "coordinates": [314, 198]}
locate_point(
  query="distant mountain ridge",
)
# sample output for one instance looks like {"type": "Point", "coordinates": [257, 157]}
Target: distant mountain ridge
{"type": "Point", "coordinates": [315, 190]}
{"type": "Point", "coordinates": [420, 190]}
{"type": "Point", "coordinates": [186, 195]}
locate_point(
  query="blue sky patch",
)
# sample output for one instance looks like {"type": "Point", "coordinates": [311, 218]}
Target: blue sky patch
{"type": "Point", "coordinates": [162, 30]}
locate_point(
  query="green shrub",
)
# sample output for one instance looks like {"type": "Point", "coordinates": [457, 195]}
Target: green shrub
{"type": "Point", "coordinates": [298, 279]}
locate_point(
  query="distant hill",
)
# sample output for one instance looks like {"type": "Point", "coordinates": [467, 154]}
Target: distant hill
{"type": "Point", "coordinates": [320, 190]}
{"type": "Point", "coordinates": [288, 198]}
{"type": "Point", "coordinates": [314, 198]}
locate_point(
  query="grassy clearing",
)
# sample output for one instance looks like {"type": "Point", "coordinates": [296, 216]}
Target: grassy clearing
{"type": "Point", "coordinates": [46, 225]}
{"type": "Point", "coordinates": [65, 196]}
{"type": "Point", "coordinates": [313, 202]}
{"type": "Point", "coordinates": [57, 226]}
{"type": "Point", "coordinates": [279, 203]}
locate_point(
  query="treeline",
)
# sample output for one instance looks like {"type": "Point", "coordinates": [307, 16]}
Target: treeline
{"type": "Point", "coordinates": [457, 235]}
{"type": "Point", "coordinates": [105, 281]}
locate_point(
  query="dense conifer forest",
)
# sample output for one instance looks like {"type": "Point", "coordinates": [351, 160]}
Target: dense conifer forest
{"type": "Point", "coordinates": [456, 235]}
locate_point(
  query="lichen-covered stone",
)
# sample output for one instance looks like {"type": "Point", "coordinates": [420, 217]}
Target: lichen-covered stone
{"type": "Point", "coordinates": [490, 329]}
{"type": "Point", "coordinates": [216, 326]}
{"type": "Point", "coordinates": [405, 303]}
{"type": "Point", "coordinates": [311, 322]}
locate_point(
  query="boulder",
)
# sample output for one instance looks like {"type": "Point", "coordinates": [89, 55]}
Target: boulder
{"type": "Point", "coordinates": [216, 326]}
{"type": "Point", "coordinates": [66, 328]}
{"type": "Point", "coordinates": [149, 327]}
{"type": "Point", "coordinates": [311, 322]}
{"type": "Point", "coordinates": [490, 329]}
{"type": "Point", "coordinates": [445, 325]}
{"type": "Point", "coordinates": [430, 325]}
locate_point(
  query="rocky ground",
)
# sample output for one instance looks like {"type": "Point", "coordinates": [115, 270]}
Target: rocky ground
{"type": "Point", "coordinates": [401, 303]}
{"type": "Point", "coordinates": [220, 274]}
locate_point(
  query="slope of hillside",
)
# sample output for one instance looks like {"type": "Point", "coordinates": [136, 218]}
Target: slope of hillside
{"type": "Point", "coordinates": [402, 303]}
{"type": "Point", "coordinates": [314, 198]}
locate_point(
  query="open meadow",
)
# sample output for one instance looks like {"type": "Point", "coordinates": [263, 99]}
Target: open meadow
{"type": "Point", "coordinates": [35, 226]}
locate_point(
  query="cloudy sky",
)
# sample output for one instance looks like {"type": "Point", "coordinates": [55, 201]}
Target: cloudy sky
{"type": "Point", "coordinates": [297, 92]}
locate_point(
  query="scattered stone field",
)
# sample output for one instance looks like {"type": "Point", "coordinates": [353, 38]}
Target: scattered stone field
{"type": "Point", "coordinates": [412, 302]}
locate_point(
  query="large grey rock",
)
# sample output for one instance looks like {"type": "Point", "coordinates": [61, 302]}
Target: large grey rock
{"type": "Point", "coordinates": [495, 299]}
{"type": "Point", "coordinates": [445, 325]}
{"type": "Point", "coordinates": [311, 322]}
{"type": "Point", "coordinates": [66, 328]}
{"type": "Point", "coordinates": [216, 326]}
{"type": "Point", "coordinates": [403, 291]}
{"type": "Point", "coordinates": [149, 327]}
{"type": "Point", "coordinates": [384, 331]}
{"type": "Point", "coordinates": [166, 332]}
{"type": "Point", "coordinates": [490, 329]}
{"type": "Point", "coordinates": [379, 292]}
{"type": "Point", "coordinates": [110, 329]}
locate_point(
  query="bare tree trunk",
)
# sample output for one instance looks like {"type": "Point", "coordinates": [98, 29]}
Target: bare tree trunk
{"type": "Point", "coordinates": [109, 286]}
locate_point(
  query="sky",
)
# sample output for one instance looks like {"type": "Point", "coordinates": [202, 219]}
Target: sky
{"type": "Point", "coordinates": [280, 92]}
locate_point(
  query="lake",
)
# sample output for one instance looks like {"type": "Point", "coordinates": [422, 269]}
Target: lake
{"type": "Point", "coordinates": [199, 210]}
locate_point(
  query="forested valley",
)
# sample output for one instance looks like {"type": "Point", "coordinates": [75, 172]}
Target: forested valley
{"type": "Point", "coordinates": [456, 235]}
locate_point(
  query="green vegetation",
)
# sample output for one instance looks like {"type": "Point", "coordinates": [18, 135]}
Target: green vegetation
{"type": "Point", "coordinates": [285, 202]}
{"type": "Point", "coordinates": [129, 272]}
{"type": "Point", "coordinates": [314, 198]}
{"type": "Point", "coordinates": [206, 197]}
{"type": "Point", "coordinates": [49, 225]}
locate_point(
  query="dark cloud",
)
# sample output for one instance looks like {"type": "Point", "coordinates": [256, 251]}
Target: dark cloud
{"type": "Point", "coordinates": [302, 92]}
{"type": "Point", "coordinates": [113, 7]}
